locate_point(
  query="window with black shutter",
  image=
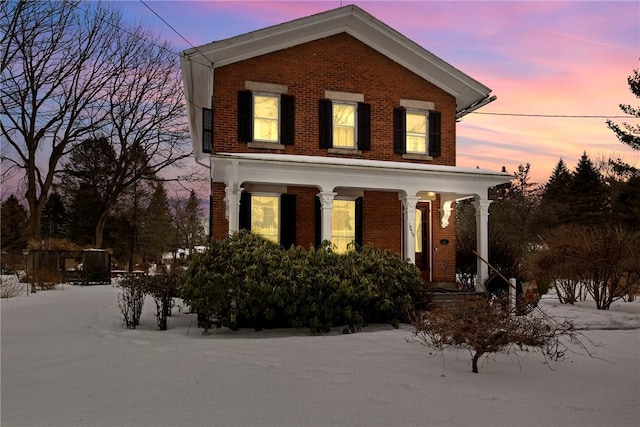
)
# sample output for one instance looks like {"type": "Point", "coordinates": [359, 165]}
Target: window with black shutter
{"type": "Point", "coordinates": [207, 130]}
{"type": "Point", "coordinates": [344, 125]}
{"type": "Point", "coordinates": [267, 118]}
{"type": "Point", "coordinates": [417, 132]}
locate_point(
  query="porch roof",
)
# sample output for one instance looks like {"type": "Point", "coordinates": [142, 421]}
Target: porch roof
{"type": "Point", "coordinates": [329, 173]}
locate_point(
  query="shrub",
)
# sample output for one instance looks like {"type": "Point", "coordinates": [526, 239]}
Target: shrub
{"type": "Point", "coordinates": [47, 279]}
{"type": "Point", "coordinates": [131, 299]}
{"type": "Point", "coordinates": [163, 288]}
{"type": "Point", "coordinates": [10, 286]}
{"type": "Point", "coordinates": [484, 327]}
{"type": "Point", "coordinates": [246, 280]}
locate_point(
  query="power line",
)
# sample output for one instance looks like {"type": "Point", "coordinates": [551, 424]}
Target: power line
{"type": "Point", "coordinates": [178, 33]}
{"type": "Point", "coordinates": [563, 116]}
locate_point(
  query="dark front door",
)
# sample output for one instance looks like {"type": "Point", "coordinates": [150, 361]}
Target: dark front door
{"type": "Point", "coordinates": [422, 238]}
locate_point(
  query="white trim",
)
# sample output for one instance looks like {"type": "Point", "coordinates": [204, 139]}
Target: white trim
{"type": "Point", "coordinates": [271, 88]}
{"type": "Point", "coordinates": [417, 104]}
{"type": "Point", "coordinates": [343, 96]}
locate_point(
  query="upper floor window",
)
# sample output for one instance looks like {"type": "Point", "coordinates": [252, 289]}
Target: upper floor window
{"type": "Point", "coordinates": [417, 132]}
{"type": "Point", "coordinates": [266, 117]}
{"type": "Point", "coordinates": [344, 124]}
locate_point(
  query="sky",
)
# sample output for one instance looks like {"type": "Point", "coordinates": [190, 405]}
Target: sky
{"type": "Point", "coordinates": [539, 58]}
{"type": "Point", "coordinates": [67, 360]}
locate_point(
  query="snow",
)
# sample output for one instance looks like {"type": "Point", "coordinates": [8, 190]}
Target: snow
{"type": "Point", "coordinates": [67, 360]}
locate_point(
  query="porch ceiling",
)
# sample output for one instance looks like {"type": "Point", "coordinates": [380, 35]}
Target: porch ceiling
{"type": "Point", "coordinates": [328, 173]}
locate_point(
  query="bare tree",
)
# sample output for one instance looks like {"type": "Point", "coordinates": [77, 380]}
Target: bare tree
{"type": "Point", "coordinates": [484, 327]}
{"type": "Point", "coordinates": [54, 58]}
{"type": "Point", "coordinates": [146, 117]}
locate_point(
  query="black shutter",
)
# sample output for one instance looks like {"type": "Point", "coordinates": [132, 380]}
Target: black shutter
{"type": "Point", "coordinates": [359, 222]}
{"type": "Point", "coordinates": [287, 117]}
{"type": "Point", "coordinates": [435, 146]}
{"type": "Point", "coordinates": [245, 211]}
{"type": "Point", "coordinates": [325, 125]}
{"type": "Point", "coordinates": [364, 126]}
{"type": "Point", "coordinates": [318, 222]}
{"type": "Point", "coordinates": [287, 220]}
{"type": "Point", "coordinates": [245, 116]}
{"type": "Point", "coordinates": [207, 130]}
{"type": "Point", "coordinates": [399, 130]}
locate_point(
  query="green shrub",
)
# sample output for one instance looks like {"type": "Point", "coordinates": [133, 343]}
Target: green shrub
{"type": "Point", "coordinates": [246, 280]}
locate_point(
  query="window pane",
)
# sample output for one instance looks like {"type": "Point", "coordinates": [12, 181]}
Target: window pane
{"type": "Point", "coordinates": [265, 119]}
{"type": "Point", "coordinates": [416, 133]}
{"type": "Point", "coordinates": [265, 216]}
{"type": "Point", "coordinates": [344, 119]}
{"type": "Point", "coordinates": [343, 137]}
{"type": "Point", "coordinates": [418, 237]}
{"type": "Point", "coordinates": [343, 225]}
{"type": "Point", "coordinates": [416, 144]}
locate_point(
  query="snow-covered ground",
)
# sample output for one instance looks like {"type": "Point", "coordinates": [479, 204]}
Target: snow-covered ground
{"type": "Point", "coordinates": [68, 361]}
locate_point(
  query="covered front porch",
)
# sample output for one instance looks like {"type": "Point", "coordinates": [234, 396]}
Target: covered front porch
{"type": "Point", "coordinates": [426, 192]}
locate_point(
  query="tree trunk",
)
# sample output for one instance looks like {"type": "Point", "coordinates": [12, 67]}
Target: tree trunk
{"type": "Point", "coordinates": [474, 362]}
{"type": "Point", "coordinates": [99, 232]}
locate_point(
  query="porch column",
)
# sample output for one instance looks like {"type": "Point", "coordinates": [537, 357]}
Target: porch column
{"type": "Point", "coordinates": [326, 203]}
{"type": "Point", "coordinates": [232, 207]}
{"type": "Point", "coordinates": [482, 241]}
{"type": "Point", "coordinates": [409, 215]}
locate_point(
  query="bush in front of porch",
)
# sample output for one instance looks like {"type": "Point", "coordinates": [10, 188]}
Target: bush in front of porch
{"type": "Point", "coordinates": [247, 281]}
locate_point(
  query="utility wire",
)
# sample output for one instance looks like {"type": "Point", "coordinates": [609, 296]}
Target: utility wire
{"type": "Point", "coordinates": [567, 116]}
{"type": "Point", "coordinates": [175, 31]}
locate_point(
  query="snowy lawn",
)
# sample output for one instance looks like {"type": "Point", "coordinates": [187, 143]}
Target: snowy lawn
{"type": "Point", "coordinates": [68, 361]}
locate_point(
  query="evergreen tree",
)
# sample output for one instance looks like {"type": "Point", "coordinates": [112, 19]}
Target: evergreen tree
{"type": "Point", "coordinates": [554, 206]}
{"type": "Point", "coordinates": [83, 213]}
{"type": "Point", "coordinates": [627, 133]}
{"type": "Point", "coordinates": [588, 196]}
{"type": "Point", "coordinates": [156, 234]}
{"type": "Point", "coordinates": [512, 222]}
{"type": "Point", "coordinates": [54, 217]}
{"type": "Point", "coordinates": [13, 221]}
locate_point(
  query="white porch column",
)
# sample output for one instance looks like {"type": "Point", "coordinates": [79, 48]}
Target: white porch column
{"type": "Point", "coordinates": [232, 207]}
{"type": "Point", "coordinates": [482, 241]}
{"type": "Point", "coordinates": [409, 215]}
{"type": "Point", "coordinates": [326, 202]}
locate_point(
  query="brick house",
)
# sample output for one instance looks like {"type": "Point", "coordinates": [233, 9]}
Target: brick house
{"type": "Point", "coordinates": [335, 126]}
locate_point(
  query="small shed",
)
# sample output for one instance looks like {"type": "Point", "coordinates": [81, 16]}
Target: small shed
{"type": "Point", "coordinates": [86, 267]}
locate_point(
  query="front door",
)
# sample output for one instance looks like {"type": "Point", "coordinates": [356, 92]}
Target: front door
{"type": "Point", "coordinates": [422, 239]}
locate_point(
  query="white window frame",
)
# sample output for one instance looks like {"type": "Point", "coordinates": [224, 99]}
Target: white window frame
{"type": "Point", "coordinates": [277, 214]}
{"type": "Point", "coordinates": [350, 245]}
{"type": "Point", "coordinates": [354, 127]}
{"type": "Point", "coordinates": [425, 114]}
{"type": "Point", "coordinates": [255, 117]}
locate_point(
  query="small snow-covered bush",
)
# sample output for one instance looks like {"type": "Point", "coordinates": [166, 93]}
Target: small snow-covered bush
{"type": "Point", "coordinates": [10, 286]}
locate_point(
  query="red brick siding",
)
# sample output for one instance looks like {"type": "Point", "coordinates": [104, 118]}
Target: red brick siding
{"type": "Point", "coordinates": [382, 220]}
{"type": "Point", "coordinates": [337, 63]}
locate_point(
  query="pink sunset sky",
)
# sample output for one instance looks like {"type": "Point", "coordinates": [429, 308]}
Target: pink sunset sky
{"type": "Point", "coordinates": [539, 58]}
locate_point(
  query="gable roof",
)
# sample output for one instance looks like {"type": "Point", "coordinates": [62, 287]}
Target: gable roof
{"type": "Point", "coordinates": [199, 63]}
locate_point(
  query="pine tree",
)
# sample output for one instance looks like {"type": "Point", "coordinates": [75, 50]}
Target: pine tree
{"type": "Point", "coordinates": [589, 195]}
{"type": "Point", "coordinates": [627, 133]}
{"type": "Point", "coordinates": [554, 206]}
{"type": "Point", "coordinates": [157, 235]}
{"type": "Point", "coordinates": [13, 225]}
{"type": "Point", "coordinates": [55, 219]}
